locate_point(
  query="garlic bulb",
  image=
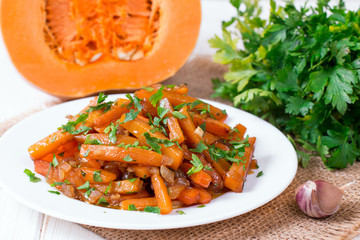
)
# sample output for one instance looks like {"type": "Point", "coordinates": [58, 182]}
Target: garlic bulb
{"type": "Point", "coordinates": [318, 199]}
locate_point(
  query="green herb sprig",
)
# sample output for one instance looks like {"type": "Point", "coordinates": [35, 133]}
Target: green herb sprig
{"type": "Point", "coordinates": [299, 70]}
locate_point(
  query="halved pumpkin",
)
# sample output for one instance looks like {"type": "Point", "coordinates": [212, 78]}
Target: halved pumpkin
{"type": "Point", "coordinates": [73, 48]}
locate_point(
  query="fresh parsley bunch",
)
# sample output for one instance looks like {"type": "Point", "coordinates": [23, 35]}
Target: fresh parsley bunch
{"type": "Point", "coordinates": [300, 71]}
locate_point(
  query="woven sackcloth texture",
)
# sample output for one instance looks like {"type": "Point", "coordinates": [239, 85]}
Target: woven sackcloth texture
{"type": "Point", "coordinates": [278, 219]}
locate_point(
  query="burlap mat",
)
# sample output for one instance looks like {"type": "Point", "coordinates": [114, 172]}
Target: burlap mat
{"type": "Point", "coordinates": [278, 219]}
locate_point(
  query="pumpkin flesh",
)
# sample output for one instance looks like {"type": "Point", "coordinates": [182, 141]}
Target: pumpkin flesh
{"type": "Point", "coordinates": [73, 48]}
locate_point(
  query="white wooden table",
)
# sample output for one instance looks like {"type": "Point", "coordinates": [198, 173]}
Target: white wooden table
{"type": "Point", "coordinates": [20, 222]}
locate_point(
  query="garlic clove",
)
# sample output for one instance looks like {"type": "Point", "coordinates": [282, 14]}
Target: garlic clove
{"type": "Point", "coordinates": [329, 196]}
{"type": "Point", "coordinates": [318, 199]}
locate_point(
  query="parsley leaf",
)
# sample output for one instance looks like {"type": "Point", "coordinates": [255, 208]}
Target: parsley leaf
{"type": "Point", "coordinates": [97, 176]}
{"type": "Point", "coordinates": [197, 165]}
{"type": "Point", "coordinates": [200, 147]}
{"type": "Point", "coordinates": [86, 153]}
{"type": "Point", "coordinates": [101, 104]}
{"type": "Point", "coordinates": [153, 142]}
{"type": "Point", "coordinates": [149, 89]}
{"type": "Point", "coordinates": [130, 116]}
{"type": "Point", "coordinates": [54, 161]}
{"type": "Point", "coordinates": [135, 101]}
{"type": "Point", "coordinates": [180, 212]}
{"type": "Point", "coordinates": [108, 189]}
{"type": "Point", "coordinates": [54, 192]}
{"type": "Point", "coordinates": [299, 69]}
{"type": "Point", "coordinates": [260, 174]}
{"type": "Point", "coordinates": [132, 179]}
{"type": "Point", "coordinates": [70, 125]}
{"type": "Point", "coordinates": [32, 176]}
{"type": "Point", "coordinates": [162, 111]}
{"type": "Point", "coordinates": [127, 158]}
{"type": "Point", "coordinates": [155, 98]}
{"type": "Point", "coordinates": [180, 106]}
{"type": "Point", "coordinates": [178, 115]}
{"type": "Point", "coordinates": [132, 207]}
{"type": "Point", "coordinates": [152, 209]}
{"type": "Point", "coordinates": [86, 185]}
{"type": "Point", "coordinates": [102, 201]}
{"type": "Point", "coordinates": [92, 141]}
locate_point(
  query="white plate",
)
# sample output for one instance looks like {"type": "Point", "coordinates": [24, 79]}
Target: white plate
{"type": "Point", "coordinates": [275, 154]}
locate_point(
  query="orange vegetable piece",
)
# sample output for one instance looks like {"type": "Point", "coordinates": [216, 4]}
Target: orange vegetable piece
{"type": "Point", "coordinates": [212, 125]}
{"type": "Point", "coordinates": [139, 203]}
{"type": "Point", "coordinates": [236, 176]}
{"type": "Point", "coordinates": [114, 153]}
{"type": "Point", "coordinates": [128, 186]}
{"type": "Point", "coordinates": [201, 178]}
{"type": "Point", "coordinates": [161, 193]}
{"type": "Point", "coordinates": [103, 175]}
{"type": "Point", "coordinates": [188, 127]}
{"type": "Point", "coordinates": [189, 196]}
{"type": "Point", "coordinates": [49, 144]}
{"type": "Point", "coordinates": [117, 109]}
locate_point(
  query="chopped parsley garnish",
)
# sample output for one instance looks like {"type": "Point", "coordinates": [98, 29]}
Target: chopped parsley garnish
{"type": "Point", "coordinates": [112, 130]}
{"type": "Point", "coordinates": [155, 98]}
{"type": "Point", "coordinates": [108, 189]}
{"type": "Point", "coordinates": [52, 140]}
{"type": "Point", "coordinates": [88, 192]}
{"type": "Point", "coordinates": [260, 174]}
{"type": "Point", "coordinates": [152, 209]}
{"type": "Point", "coordinates": [235, 154]}
{"type": "Point", "coordinates": [84, 186]}
{"type": "Point", "coordinates": [132, 180]}
{"type": "Point", "coordinates": [132, 207]}
{"type": "Point", "coordinates": [86, 153]}
{"type": "Point", "coordinates": [130, 115]}
{"type": "Point", "coordinates": [180, 212]}
{"type": "Point", "coordinates": [203, 126]}
{"type": "Point", "coordinates": [180, 106]}
{"type": "Point", "coordinates": [201, 206]}
{"type": "Point", "coordinates": [134, 145]}
{"type": "Point", "coordinates": [102, 97]}
{"type": "Point", "coordinates": [32, 176]}
{"type": "Point", "coordinates": [178, 115]}
{"type": "Point", "coordinates": [93, 141]}
{"type": "Point", "coordinates": [127, 158]}
{"type": "Point", "coordinates": [102, 201]}
{"type": "Point", "coordinates": [223, 112]}
{"type": "Point", "coordinates": [199, 148]}
{"type": "Point", "coordinates": [101, 104]}
{"type": "Point", "coordinates": [135, 101]}
{"type": "Point", "coordinates": [70, 125]}
{"type": "Point", "coordinates": [197, 165]}
{"type": "Point", "coordinates": [195, 103]}
{"type": "Point", "coordinates": [82, 129]}
{"type": "Point", "coordinates": [97, 176]}
{"type": "Point", "coordinates": [60, 183]}
{"type": "Point", "coordinates": [162, 111]}
{"type": "Point", "coordinates": [54, 161]}
{"type": "Point", "coordinates": [149, 89]}
{"type": "Point", "coordinates": [208, 168]}
{"type": "Point", "coordinates": [153, 142]}
{"type": "Point", "coordinates": [54, 192]}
